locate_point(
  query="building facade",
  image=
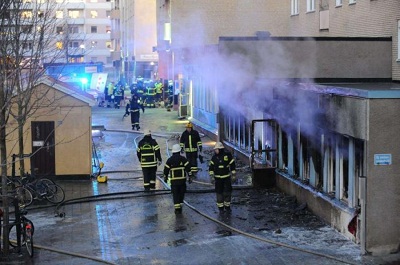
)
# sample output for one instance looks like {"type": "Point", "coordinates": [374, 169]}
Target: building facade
{"type": "Point", "coordinates": [320, 78]}
{"type": "Point", "coordinates": [134, 39]}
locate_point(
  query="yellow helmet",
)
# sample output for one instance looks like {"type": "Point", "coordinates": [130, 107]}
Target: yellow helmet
{"type": "Point", "coordinates": [218, 145]}
{"type": "Point", "coordinates": [189, 125]}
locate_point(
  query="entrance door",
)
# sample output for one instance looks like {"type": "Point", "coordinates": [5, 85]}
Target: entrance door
{"type": "Point", "coordinates": [43, 149]}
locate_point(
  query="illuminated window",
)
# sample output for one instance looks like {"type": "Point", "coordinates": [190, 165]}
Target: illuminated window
{"type": "Point", "coordinates": [59, 45]}
{"type": "Point", "coordinates": [41, 1]}
{"type": "Point", "coordinates": [26, 14]}
{"type": "Point", "coordinates": [40, 14]}
{"type": "Point", "coordinates": [108, 29]}
{"type": "Point", "coordinates": [108, 44]}
{"type": "Point", "coordinates": [93, 14]}
{"type": "Point", "coordinates": [59, 14]}
{"type": "Point", "coordinates": [93, 1]}
{"type": "Point", "coordinates": [27, 1]}
{"type": "Point", "coordinates": [73, 13]}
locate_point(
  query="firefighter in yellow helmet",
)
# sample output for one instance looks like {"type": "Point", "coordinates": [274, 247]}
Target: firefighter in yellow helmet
{"type": "Point", "coordinates": [222, 170]}
{"type": "Point", "coordinates": [149, 155]}
{"type": "Point", "coordinates": [191, 144]}
{"type": "Point", "coordinates": [176, 168]}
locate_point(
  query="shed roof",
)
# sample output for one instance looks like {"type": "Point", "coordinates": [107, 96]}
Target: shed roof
{"type": "Point", "coordinates": [68, 89]}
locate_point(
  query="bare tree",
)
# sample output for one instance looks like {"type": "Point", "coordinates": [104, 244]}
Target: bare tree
{"type": "Point", "coordinates": [28, 38]}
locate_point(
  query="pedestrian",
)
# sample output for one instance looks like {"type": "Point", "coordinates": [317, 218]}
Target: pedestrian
{"type": "Point", "coordinates": [149, 155]}
{"type": "Point", "coordinates": [133, 108]}
{"type": "Point", "coordinates": [191, 144]}
{"type": "Point", "coordinates": [176, 169]}
{"type": "Point", "coordinates": [222, 170]}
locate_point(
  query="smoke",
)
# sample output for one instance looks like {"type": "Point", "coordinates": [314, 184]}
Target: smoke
{"type": "Point", "coordinates": [255, 78]}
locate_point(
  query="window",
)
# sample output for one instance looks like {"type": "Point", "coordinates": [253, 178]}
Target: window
{"type": "Point", "coordinates": [108, 29]}
{"type": "Point", "coordinates": [93, 44]}
{"type": "Point", "coordinates": [59, 14]}
{"type": "Point", "coordinates": [26, 14]}
{"type": "Point", "coordinates": [59, 45]}
{"type": "Point", "coordinates": [398, 40]}
{"type": "Point", "coordinates": [108, 45]}
{"type": "Point", "coordinates": [74, 44]}
{"type": "Point", "coordinates": [310, 5]}
{"type": "Point", "coordinates": [59, 30]}
{"type": "Point", "coordinates": [108, 13]}
{"type": "Point", "coordinates": [93, 14]}
{"type": "Point", "coordinates": [294, 7]}
{"type": "Point", "coordinates": [352, 1]}
{"type": "Point", "coordinates": [339, 2]}
{"type": "Point", "coordinates": [73, 13]}
{"type": "Point", "coordinates": [40, 14]}
{"type": "Point", "coordinates": [27, 1]}
{"type": "Point", "coordinates": [73, 29]}
{"type": "Point", "coordinates": [27, 45]}
{"type": "Point", "coordinates": [93, 29]}
{"type": "Point", "coordinates": [93, 59]}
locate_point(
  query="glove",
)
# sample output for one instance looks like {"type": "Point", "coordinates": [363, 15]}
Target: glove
{"type": "Point", "coordinates": [233, 177]}
{"type": "Point", "coordinates": [159, 163]}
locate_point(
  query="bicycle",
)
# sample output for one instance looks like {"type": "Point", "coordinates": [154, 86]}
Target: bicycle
{"type": "Point", "coordinates": [31, 188]}
{"type": "Point", "coordinates": [21, 231]}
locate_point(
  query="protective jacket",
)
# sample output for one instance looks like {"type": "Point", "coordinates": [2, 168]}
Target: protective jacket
{"type": "Point", "coordinates": [148, 152]}
{"type": "Point", "coordinates": [134, 105]}
{"type": "Point", "coordinates": [191, 141]}
{"type": "Point", "coordinates": [176, 168]}
{"type": "Point", "coordinates": [222, 164]}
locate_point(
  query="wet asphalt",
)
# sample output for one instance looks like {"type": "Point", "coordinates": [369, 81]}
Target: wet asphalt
{"type": "Point", "coordinates": [117, 223]}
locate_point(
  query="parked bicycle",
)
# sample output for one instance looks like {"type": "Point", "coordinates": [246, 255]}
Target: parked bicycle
{"type": "Point", "coordinates": [31, 188]}
{"type": "Point", "coordinates": [21, 231]}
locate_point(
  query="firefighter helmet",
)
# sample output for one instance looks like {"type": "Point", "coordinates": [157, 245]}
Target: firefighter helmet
{"type": "Point", "coordinates": [147, 132]}
{"type": "Point", "coordinates": [218, 145]}
{"type": "Point", "coordinates": [189, 125]}
{"type": "Point", "coordinates": [176, 148]}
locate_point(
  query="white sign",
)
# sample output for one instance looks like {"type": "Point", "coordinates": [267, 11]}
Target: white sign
{"type": "Point", "coordinates": [38, 143]}
{"type": "Point", "coordinates": [382, 159]}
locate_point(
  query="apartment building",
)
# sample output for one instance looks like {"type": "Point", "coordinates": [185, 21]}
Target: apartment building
{"type": "Point", "coordinates": [134, 39]}
{"type": "Point", "coordinates": [315, 82]}
{"type": "Point", "coordinates": [84, 27]}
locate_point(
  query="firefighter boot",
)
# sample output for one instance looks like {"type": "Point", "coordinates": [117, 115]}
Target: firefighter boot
{"type": "Point", "coordinates": [221, 210]}
{"type": "Point", "coordinates": [228, 209]}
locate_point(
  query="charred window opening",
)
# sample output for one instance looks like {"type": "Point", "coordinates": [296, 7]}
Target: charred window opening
{"type": "Point", "coordinates": [285, 150]}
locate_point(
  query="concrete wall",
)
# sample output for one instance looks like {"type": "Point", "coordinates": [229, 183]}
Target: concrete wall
{"type": "Point", "coordinates": [383, 181]}
{"type": "Point", "coordinates": [312, 58]}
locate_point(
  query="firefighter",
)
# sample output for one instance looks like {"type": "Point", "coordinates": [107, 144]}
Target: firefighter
{"type": "Point", "coordinates": [119, 95]}
{"type": "Point", "coordinates": [191, 144]}
{"type": "Point", "coordinates": [133, 108]}
{"type": "Point", "coordinates": [176, 168]}
{"type": "Point", "coordinates": [149, 155]}
{"type": "Point", "coordinates": [222, 170]}
{"type": "Point", "coordinates": [109, 94]}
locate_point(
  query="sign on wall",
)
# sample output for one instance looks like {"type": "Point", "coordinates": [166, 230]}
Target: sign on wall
{"type": "Point", "coordinates": [382, 159]}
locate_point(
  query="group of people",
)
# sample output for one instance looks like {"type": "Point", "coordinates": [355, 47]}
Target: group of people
{"type": "Point", "coordinates": [114, 94]}
{"type": "Point", "coordinates": [179, 169]}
